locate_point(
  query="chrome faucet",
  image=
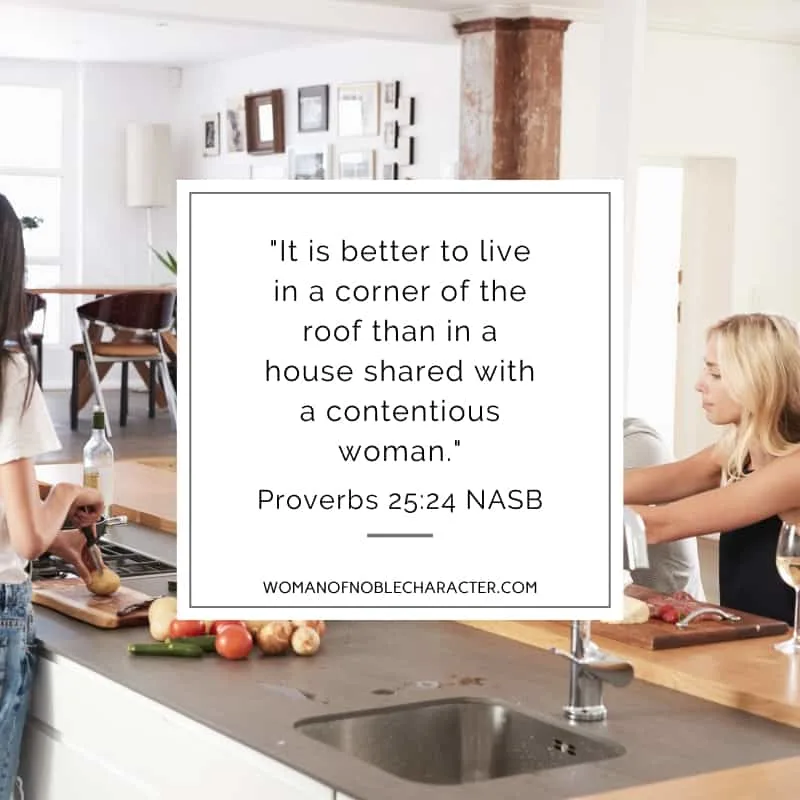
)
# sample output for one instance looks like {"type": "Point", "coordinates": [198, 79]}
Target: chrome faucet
{"type": "Point", "coordinates": [591, 668]}
{"type": "Point", "coordinates": [635, 539]}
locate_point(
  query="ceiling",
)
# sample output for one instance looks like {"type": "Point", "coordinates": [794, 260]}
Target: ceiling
{"type": "Point", "coordinates": [211, 30]}
{"type": "Point", "coordinates": [73, 35]}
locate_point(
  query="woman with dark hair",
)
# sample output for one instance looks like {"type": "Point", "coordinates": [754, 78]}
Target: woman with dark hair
{"type": "Point", "coordinates": [29, 524]}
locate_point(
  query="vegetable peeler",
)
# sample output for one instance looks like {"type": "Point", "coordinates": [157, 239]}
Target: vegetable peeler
{"type": "Point", "coordinates": [91, 536]}
{"type": "Point", "coordinates": [90, 533]}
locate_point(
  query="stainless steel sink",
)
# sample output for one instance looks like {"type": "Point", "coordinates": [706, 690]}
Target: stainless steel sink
{"type": "Point", "coordinates": [458, 740]}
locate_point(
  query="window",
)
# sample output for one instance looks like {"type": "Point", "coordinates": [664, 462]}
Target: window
{"type": "Point", "coordinates": [31, 140]}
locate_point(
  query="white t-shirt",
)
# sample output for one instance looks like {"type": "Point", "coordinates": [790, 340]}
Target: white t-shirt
{"type": "Point", "coordinates": [674, 566]}
{"type": "Point", "coordinates": [22, 435]}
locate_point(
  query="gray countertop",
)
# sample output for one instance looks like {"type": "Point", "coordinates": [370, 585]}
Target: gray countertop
{"type": "Point", "coordinates": [379, 664]}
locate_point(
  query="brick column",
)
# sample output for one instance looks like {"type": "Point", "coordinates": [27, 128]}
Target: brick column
{"type": "Point", "coordinates": [510, 125]}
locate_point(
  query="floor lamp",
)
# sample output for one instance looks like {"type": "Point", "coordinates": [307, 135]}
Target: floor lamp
{"type": "Point", "coordinates": [149, 173]}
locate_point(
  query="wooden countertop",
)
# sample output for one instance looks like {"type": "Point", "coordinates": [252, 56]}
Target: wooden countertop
{"type": "Point", "coordinates": [746, 674]}
{"type": "Point", "coordinates": [103, 289]}
{"type": "Point", "coordinates": [771, 780]}
{"type": "Point", "coordinates": [145, 489]}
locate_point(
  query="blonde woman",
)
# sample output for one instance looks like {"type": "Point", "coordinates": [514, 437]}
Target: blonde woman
{"type": "Point", "coordinates": [746, 484]}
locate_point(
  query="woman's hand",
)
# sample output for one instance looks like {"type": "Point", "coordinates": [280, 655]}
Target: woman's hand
{"type": "Point", "coordinates": [73, 548]}
{"type": "Point", "coordinates": [87, 508]}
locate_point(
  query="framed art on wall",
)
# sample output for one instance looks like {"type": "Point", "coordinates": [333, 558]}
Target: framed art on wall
{"type": "Point", "coordinates": [312, 108]}
{"type": "Point", "coordinates": [234, 125]}
{"type": "Point", "coordinates": [391, 94]}
{"type": "Point", "coordinates": [391, 132]}
{"type": "Point", "coordinates": [211, 135]}
{"type": "Point", "coordinates": [357, 109]}
{"type": "Point", "coordinates": [405, 146]}
{"type": "Point", "coordinates": [406, 111]}
{"type": "Point", "coordinates": [355, 164]}
{"type": "Point", "coordinates": [310, 164]}
{"type": "Point", "coordinates": [264, 122]}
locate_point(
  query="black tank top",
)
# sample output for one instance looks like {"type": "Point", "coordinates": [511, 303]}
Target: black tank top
{"type": "Point", "coordinates": [748, 578]}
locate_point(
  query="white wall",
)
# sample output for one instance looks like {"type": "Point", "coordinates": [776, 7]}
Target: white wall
{"type": "Point", "coordinates": [103, 241]}
{"type": "Point", "coordinates": [712, 97]}
{"type": "Point", "coordinates": [115, 236]}
{"type": "Point", "coordinates": [428, 72]}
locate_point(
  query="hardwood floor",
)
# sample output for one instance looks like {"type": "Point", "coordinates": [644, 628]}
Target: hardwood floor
{"type": "Point", "coordinates": [142, 436]}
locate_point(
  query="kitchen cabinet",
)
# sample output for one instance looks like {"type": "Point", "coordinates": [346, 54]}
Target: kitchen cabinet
{"type": "Point", "coordinates": [90, 737]}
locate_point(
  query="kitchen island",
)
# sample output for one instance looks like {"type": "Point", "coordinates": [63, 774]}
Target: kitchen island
{"type": "Point", "coordinates": [109, 724]}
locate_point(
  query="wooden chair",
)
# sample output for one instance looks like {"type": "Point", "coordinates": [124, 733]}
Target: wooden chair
{"type": "Point", "coordinates": [35, 303]}
{"type": "Point", "coordinates": [138, 319]}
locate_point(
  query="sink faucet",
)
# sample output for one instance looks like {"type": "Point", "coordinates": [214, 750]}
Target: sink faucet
{"type": "Point", "coordinates": [591, 668]}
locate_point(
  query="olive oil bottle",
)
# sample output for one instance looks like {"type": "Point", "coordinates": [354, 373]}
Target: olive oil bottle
{"type": "Point", "coordinates": [98, 460]}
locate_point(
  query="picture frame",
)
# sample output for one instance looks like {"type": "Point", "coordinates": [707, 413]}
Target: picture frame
{"type": "Point", "coordinates": [310, 163]}
{"type": "Point", "coordinates": [312, 108]}
{"type": "Point", "coordinates": [211, 135]}
{"type": "Point", "coordinates": [391, 171]}
{"type": "Point", "coordinates": [405, 147]}
{"type": "Point", "coordinates": [406, 111]}
{"type": "Point", "coordinates": [391, 133]}
{"type": "Point", "coordinates": [391, 94]}
{"type": "Point", "coordinates": [357, 109]}
{"type": "Point", "coordinates": [355, 164]}
{"type": "Point", "coordinates": [264, 122]}
{"type": "Point", "coordinates": [235, 125]}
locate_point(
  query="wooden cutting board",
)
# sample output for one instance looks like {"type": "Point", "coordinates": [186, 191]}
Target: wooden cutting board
{"type": "Point", "coordinates": [658, 635]}
{"type": "Point", "coordinates": [71, 597]}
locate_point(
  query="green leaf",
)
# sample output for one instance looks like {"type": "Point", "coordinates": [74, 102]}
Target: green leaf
{"type": "Point", "coordinates": [167, 259]}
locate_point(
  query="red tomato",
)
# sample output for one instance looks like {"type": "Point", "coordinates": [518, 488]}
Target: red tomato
{"type": "Point", "coordinates": [218, 624]}
{"type": "Point", "coordinates": [669, 614]}
{"type": "Point", "coordinates": [234, 642]}
{"type": "Point", "coordinates": [179, 628]}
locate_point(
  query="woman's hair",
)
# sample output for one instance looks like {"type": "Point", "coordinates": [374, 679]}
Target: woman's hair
{"type": "Point", "coordinates": [759, 362]}
{"type": "Point", "coordinates": [13, 306]}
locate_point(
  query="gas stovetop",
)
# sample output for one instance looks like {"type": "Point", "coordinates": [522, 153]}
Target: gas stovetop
{"type": "Point", "coordinates": [126, 562]}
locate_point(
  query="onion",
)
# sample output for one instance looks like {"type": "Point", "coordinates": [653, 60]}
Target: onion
{"type": "Point", "coordinates": [273, 638]}
{"type": "Point", "coordinates": [305, 641]}
{"type": "Point", "coordinates": [317, 624]}
{"type": "Point", "coordinates": [254, 625]}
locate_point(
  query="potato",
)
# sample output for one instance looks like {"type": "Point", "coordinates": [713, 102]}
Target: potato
{"type": "Point", "coordinates": [274, 637]}
{"type": "Point", "coordinates": [305, 641]}
{"type": "Point", "coordinates": [105, 582]}
{"type": "Point", "coordinates": [159, 616]}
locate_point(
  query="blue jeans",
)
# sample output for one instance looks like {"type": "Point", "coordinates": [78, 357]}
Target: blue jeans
{"type": "Point", "coordinates": [17, 667]}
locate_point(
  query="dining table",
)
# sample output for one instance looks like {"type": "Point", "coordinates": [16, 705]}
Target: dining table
{"type": "Point", "coordinates": [97, 290]}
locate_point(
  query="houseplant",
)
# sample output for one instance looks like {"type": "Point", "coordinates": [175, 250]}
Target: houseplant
{"type": "Point", "coordinates": [167, 259]}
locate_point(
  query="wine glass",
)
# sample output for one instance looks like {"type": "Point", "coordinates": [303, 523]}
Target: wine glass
{"type": "Point", "coordinates": [787, 558]}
